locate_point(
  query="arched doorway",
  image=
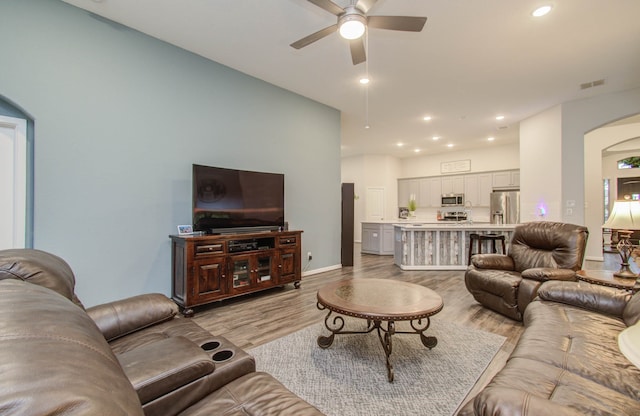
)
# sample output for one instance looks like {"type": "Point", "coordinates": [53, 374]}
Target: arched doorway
{"type": "Point", "coordinates": [16, 178]}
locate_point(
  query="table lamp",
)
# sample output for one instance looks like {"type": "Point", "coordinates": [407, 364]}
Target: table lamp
{"type": "Point", "coordinates": [625, 217]}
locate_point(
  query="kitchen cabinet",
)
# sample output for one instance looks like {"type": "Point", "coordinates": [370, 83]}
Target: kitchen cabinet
{"type": "Point", "coordinates": [406, 188]}
{"type": "Point", "coordinates": [477, 189]}
{"type": "Point", "coordinates": [452, 184]}
{"type": "Point", "coordinates": [430, 192]}
{"type": "Point", "coordinates": [508, 179]}
{"type": "Point", "coordinates": [377, 238]}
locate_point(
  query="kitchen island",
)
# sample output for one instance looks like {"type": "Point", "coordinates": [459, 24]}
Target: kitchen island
{"type": "Point", "coordinates": [442, 246]}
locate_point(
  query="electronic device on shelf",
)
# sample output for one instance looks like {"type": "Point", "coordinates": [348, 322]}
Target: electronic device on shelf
{"type": "Point", "coordinates": [250, 244]}
{"type": "Point", "coordinates": [234, 201]}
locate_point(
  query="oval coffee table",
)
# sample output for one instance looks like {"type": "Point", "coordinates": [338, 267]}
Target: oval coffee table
{"type": "Point", "coordinates": [378, 301]}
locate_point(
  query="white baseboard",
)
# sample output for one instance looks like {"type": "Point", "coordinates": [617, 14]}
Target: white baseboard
{"type": "Point", "coordinates": [321, 270]}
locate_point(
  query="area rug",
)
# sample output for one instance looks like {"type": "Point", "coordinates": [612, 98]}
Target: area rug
{"type": "Point", "coordinates": [350, 377]}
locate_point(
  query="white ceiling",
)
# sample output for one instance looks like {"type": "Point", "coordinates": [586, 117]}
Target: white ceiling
{"type": "Point", "coordinates": [473, 60]}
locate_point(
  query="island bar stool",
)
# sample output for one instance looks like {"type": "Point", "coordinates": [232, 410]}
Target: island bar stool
{"type": "Point", "coordinates": [480, 238]}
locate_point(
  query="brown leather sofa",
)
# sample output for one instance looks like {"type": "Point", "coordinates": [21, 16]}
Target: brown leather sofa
{"type": "Point", "coordinates": [130, 357]}
{"type": "Point", "coordinates": [538, 252]}
{"type": "Point", "coordinates": [567, 361]}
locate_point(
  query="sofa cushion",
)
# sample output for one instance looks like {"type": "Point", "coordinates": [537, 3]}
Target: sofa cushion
{"type": "Point", "coordinates": [39, 268]}
{"type": "Point", "coordinates": [530, 387]}
{"type": "Point", "coordinates": [595, 298]}
{"type": "Point", "coordinates": [122, 317]}
{"type": "Point", "coordinates": [543, 274]}
{"type": "Point", "coordinates": [159, 368]}
{"type": "Point", "coordinates": [253, 394]}
{"type": "Point", "coordinates": [578, 341]}
{"type": "Point", "coordinates": [54, 360]}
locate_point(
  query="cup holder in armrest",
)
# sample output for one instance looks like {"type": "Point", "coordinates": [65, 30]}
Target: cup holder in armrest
{"type": "Point", "coordinates": [210, 346]}
{"type": "Point", "coordinates": [222, 355]}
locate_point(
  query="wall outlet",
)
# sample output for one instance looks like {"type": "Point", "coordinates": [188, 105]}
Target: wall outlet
{"type": "Point", "coordinates": [309, 256]}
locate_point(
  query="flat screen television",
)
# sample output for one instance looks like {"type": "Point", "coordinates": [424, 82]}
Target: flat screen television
{"type": "Point", "coordinates": [232, 200]}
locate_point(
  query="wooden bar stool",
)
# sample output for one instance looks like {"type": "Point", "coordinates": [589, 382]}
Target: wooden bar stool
{"type": "Point", "coordinates": [480, 238]}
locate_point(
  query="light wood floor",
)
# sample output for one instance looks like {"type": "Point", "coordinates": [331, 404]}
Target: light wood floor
{"type": "Point", "coordinates": [256, 319]}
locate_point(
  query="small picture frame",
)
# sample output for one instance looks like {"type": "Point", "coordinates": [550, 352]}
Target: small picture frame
{"type": "Point", "coordinates": [185, 229]}
{"type": "Point", "coordinates": [403, 213]}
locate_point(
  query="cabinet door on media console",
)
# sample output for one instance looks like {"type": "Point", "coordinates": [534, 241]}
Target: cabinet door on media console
{"type": "Point", "coordinates": [209, 280]}
{"type": "Point", "coordinates": [251, 271]}
{"type": "Point", "coordinates": [289, 265]}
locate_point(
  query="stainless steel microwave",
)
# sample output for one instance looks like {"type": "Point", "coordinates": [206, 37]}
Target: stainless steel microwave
{"type": "Point", "coordinates": [452, 200]}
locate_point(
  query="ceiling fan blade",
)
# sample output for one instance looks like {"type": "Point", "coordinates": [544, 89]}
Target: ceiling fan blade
{"type": "Point", "coordinates": [307, 40]}
{"type": "Point", "coordinates": [365, 5]}
{"type": "Point", "coordinates": [406, 23]}
{"type": "Point", "coordinates": [329, 6]}
{"type": "Point", "coordinates": [358, 54]}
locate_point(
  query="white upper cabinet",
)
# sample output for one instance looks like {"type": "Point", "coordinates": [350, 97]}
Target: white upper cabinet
{"type": "Point", "coordinates": [430, 192]}
{"type": "Point", "coordinates": [452, 184]}
{"type": "Point", "coordinates": [406, 188]}
{"type": "Point", "coordinates": [477, 189]}
{"type": "Point", "coordinates": [507, 179]}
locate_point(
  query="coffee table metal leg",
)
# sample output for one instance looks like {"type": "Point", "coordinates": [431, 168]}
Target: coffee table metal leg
{"type": "Point", "coordinates": [335, 326]}
{"type": "Point", "coordinates": [420, 328]}
{"type": "Point", "coordinates": [387, 344]}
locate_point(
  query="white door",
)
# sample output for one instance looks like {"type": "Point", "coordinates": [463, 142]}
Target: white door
{"type": "Point", "coordinates": [374, 204]}
{"type": "Point", "coordinates": [13, 182]}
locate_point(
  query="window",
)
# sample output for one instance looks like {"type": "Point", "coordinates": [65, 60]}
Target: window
{"type": "Point", "coordinates": [629, 163]}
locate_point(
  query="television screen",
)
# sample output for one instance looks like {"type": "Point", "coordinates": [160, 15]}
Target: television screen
{"type": "Point", "coordinates": [228, 199]}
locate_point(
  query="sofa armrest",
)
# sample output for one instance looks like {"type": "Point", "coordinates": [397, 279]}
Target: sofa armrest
{"type": "Point", "coordinates": [596, 298]}
{"type": "Point", "coordinates": [542, 274]}
{"type": "Point", "coordinates": [493, 261]}
{"type": "Point", "coordinates": [162, 367]}
{"type": "Point", "coordinates": [122, 317]}
{"type": "Point", "coordinates": [506, 401]}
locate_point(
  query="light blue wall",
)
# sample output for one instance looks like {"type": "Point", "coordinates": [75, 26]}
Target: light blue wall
{"type": "Point", "coordinates": [119, 119]}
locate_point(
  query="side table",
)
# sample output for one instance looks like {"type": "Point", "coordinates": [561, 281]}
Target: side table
{"type": "Point", "coordinates": [606, 278]}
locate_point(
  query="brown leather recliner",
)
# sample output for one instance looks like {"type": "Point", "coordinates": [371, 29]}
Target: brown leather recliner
{"type": "Point", "coordinates": [538, 251]}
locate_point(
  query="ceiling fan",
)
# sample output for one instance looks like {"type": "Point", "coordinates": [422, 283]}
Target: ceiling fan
{"type": "Point", "coordinates": [352, 23]}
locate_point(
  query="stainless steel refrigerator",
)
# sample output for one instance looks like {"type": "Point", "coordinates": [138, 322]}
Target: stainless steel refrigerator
{"type": "Point", "coordinates": [505, 207]}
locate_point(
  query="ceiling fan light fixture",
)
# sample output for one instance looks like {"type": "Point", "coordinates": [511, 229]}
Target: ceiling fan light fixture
{"type": "Point", "coordinates": [352, 26]}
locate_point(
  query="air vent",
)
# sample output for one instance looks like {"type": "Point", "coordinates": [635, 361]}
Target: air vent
{"type": "Point", "coordinates": [591, 84]}
{"type": "Point", "coordinates": [502, 127]}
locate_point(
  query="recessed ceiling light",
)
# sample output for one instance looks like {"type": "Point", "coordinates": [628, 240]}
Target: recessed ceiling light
{"type": "Point", "coordinates": [417, 150]}
{"type": "Point", "coordinates": [491, 139]}
{"type": "Point", "coordinates": [450, 145]}
{"type": "Point", "coordinates": [426, 118]}
{"type": "Point", "coordinates": [500, 117]}
{"type": "Point", "coordinates": [400, 144]}
{"type": "Point", "coordinates": [541, 11]}
{"type": "Point", "coordinates": [364, 81]}
{"type": "Point", "coordinates": [435, 138]}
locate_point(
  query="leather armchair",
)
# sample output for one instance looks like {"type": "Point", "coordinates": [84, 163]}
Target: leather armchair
{"type": "Point", "coordinates": [538, 252]}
